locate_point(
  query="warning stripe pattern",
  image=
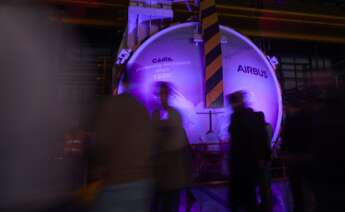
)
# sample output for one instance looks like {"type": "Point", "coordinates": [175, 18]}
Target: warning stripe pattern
{"type": "Point", "coordinates": [212, 54]}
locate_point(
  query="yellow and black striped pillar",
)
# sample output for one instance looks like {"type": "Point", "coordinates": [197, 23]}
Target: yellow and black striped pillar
{"type": "Point", "coordinates": [212, 54]}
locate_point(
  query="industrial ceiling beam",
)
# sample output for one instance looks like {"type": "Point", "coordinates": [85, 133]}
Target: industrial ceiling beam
{"type": "Point", "coordinates": [250, 21]}
{"type": "Point", "coordinates": [91, 3]}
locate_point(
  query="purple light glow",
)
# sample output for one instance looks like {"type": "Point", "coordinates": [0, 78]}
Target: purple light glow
{"type": "Point", "coordinates": [171, 55]}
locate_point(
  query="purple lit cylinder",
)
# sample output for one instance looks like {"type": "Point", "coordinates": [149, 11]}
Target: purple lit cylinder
{"type": "Point", "coordinates": [175, 55]}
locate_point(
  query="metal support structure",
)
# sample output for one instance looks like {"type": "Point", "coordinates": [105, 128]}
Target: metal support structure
{"type": "Point", "coordinates": [145, 17]}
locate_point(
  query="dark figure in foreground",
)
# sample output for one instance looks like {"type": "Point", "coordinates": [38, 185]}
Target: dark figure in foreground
{"type": "Point", "coordinates": [328, 135]}
{"type": "Point", "coordinates": [125, 150]}
{"type": "Point", "coordinates": [314, 139]}
{"type": "Point", "coordinates": [328, 168]}
{"type": "Point", "coordinates": [247, 152]}
{"type": "Point", "coordinates": [297, 143]}
{"type": "Point", "coordinates": [265, 191]}
{"type": "Point", "coordinates": [173, 162]}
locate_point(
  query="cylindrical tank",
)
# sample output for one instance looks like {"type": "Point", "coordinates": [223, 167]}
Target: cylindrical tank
{"type": "Point", "coordinates": [176, 56]}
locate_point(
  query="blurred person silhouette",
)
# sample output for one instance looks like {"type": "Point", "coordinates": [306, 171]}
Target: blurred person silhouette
{"type": "Point", "coordinates": [125, 151]}
{"type": "Point", "coordinates": [247, 153]}
{"type": "Point", "coordinates": [327, 154]}
{"type": "Point", "coordinates": [34, 110]}
{"type": "Point", "coordinates": [312, 138]}
{"type": "Point", "coordinates": [173, 158]}
{"type": "Point", "coordinates": [297, 143]}
{"type": "Point", "coordinates": [265, 191]}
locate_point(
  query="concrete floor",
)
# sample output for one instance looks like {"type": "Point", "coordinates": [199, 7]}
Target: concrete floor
{"type": "Point", "coordinates": [214, 198]}
{"type": "Point", "coordinates": [208, 198]}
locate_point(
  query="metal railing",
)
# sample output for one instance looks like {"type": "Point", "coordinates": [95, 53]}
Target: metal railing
{"type": "Point", "coordinates": [210, 163]}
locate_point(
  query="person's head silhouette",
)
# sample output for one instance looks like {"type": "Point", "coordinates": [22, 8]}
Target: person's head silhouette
{"type": "Point", "coordinates": [164, 93]}
{"type": "Point", "coordinates": [236, 100]}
